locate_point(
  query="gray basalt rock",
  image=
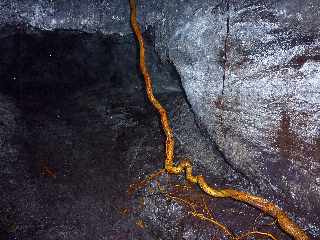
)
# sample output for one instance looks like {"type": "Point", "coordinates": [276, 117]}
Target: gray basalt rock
{"type": "Point", "coordinates": [108, 16]}
{"type": "Point", "coordinates": [250, 70]}
{"type": "Point", "coordinates": [251, 74]}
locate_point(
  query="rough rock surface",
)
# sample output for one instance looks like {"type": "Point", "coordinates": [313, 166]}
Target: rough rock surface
{"type": "Point", "coordinates": [250, 73]}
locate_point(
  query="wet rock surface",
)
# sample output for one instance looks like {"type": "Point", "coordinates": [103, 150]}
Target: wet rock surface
{"type": "Point", "coordinates": [249, 70]}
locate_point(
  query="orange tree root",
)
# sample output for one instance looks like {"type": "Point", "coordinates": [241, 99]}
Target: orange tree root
{"type": "Point", "coordinates": [196, 205]}
{"type": "Point", "coordinates": [185, 166]}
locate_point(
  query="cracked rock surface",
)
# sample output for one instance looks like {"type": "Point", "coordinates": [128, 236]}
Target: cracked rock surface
{"type": "Point", "coordinates": [249, 69]}
{"type": "Point", "coordinates": [251, 74]}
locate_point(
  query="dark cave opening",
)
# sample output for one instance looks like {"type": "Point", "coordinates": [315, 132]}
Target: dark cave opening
{"type": "Point", "coordinates": [50, 65]}
{"type": "Point", "coordinates": [75, 107]}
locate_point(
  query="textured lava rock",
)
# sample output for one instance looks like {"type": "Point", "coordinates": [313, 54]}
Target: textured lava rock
{"type": "Point", "coordinates": [106, 16]}
{"type": "Point", "coordinates": [250, 73]}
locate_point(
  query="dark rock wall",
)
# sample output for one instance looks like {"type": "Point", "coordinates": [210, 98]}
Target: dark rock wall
{"type": "Point", "coordinates": [64, 108]}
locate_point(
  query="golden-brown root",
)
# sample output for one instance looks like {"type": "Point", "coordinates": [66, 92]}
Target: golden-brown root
{"type": "Point", "coordinates": [195, 204]}
{"type": "Point", "coordinates": [186, 167]}
{"type": "Point", "coordinates": [263, 234]}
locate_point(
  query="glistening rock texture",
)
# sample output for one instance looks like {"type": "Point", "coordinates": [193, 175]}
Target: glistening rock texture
{"type": "Point", "coordinates": [249, 70]}
{"type": "Point", "coordinates": [251, 74]}
{"type": "Point", "coordinates": [108, 16]}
